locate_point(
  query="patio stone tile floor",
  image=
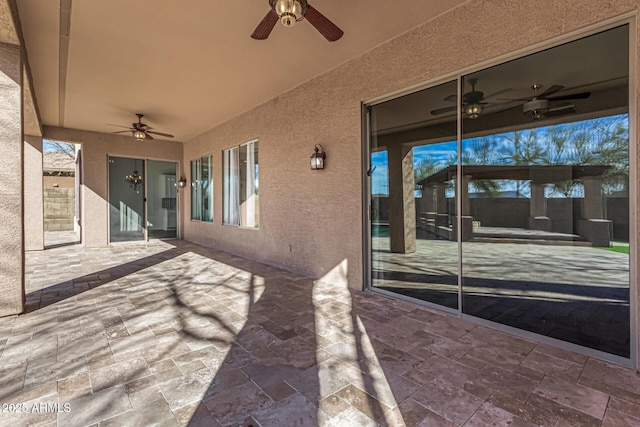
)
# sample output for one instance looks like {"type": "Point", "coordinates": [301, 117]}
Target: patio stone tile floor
{"type": "Point", "coordinates": [174, 334]}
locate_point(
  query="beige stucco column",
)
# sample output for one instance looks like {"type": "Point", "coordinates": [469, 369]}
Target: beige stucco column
{"type": "Point", "coordinates": [402, 210]}
{"type": "Point", "coordinates": [593, 201]}
{"type": "Point", "coordinates": [11, 182]}
{"type": "Point", "coordinates": [33, 203]}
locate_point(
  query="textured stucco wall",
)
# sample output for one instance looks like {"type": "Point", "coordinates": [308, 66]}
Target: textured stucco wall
{"type": "Point", "coordinates": [58, 181]}
{"type": "Point", "coordinates": [297, 203]}
{"type": "Point", "coordinates": [11, 182]}
{"type": "Point", "coordinates": [96, 147]}
{"type": "Point", "coordinates": [33, 201]}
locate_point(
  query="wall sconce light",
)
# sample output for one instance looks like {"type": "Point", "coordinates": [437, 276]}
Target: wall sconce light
{"type": "Point", "coordinates": [317, 158]}
{"type": "Point", "coordinates": [182, 182]}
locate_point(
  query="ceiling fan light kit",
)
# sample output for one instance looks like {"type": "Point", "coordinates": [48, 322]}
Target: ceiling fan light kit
{"type": "Point", "coordinates": [473, 111]}
{"type": "Point", "coordinates": [139, 135]}
{"type": "Point", "coordinates": [288, 12]}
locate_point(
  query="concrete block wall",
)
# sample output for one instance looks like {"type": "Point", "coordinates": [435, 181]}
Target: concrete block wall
{"type": "Point", "coordinates": [59, 209]}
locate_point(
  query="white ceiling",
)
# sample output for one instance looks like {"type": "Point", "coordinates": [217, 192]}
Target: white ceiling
{"type": "Point", "coordinates": [189, 65]}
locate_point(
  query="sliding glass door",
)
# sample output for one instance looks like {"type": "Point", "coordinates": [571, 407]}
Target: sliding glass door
{"type": "Point", "coordinates": [504, 195]}
{"type": "Point", "coordinates": [413, 221]}
{"type": "Point", "coordinates": [126, 199]}
{"type": "Point", "coordinates": [142, 199]}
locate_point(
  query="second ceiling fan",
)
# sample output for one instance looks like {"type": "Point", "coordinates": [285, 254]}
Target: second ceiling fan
{"type": "Point", "coordinates": [141, 131]}
{"type": "Point", "coordinates": [291, 11]}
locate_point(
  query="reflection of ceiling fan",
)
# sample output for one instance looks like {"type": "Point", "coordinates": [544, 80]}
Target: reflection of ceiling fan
{"type": "Point", "coordinates": [140, 130]}
{"type": "Point", "coordinates": [291, 11]}
{"type": "Point", "coordinates": [539, 106]}
{"type": "Point", "coordinates": [473, 102]}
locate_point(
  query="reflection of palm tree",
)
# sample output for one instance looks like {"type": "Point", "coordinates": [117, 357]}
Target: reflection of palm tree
{"type": "Point", "coordinates": [482, 151]}
{"type": "Point", "coordinates": [595, 142]}
{"type": "Point", "coordinates": [522, 148]}
{"type": "Point", "coordinates": [601, 141]}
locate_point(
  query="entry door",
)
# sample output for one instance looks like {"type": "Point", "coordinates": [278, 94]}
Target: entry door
{"type": "Point", "coordinates": [142, 199]}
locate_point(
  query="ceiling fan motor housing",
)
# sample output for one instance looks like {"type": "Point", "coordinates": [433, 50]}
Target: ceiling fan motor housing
{"type": "Point", "coordinates": [536, 106]}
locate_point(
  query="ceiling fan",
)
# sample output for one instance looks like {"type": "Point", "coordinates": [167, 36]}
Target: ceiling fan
{"type": "Point", "coordinates": [473, 102]}
{"type": "Point", "coordinates": [141, 131]}
{"type": "Point", "coordinates": [291, 11]}
{"type": "Point", "coordinates": [539, 105]}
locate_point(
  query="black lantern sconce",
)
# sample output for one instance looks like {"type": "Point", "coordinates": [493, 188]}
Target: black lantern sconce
{"type": "Point", "coordinates": [317, 158]}
{"type": "Point", "coordinates": [182, 182]}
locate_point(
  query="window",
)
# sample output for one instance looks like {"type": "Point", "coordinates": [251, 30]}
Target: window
{"type": "Point", "coordinates": [202, 189]}
{"type": "Point", "coordinates": [240, 169]}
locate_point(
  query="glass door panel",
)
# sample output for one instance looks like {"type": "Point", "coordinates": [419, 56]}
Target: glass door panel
{"type": "Point", "coordinates": [413, 167]}
{"type": "Point", "coordinates": [161, 199]}
{"type": "Point", "coordinates": [545, 193]}
{"type": "Point", "coordinates": [126, 199]}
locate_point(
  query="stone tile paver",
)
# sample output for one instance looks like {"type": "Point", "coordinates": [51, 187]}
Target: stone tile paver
{"type": "Point", "coordinates": [171, 333]}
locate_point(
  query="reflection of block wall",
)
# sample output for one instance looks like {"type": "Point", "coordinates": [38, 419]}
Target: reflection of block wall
{"type": "Point", "coordinates": [565, 214]}
{"type": "Point", "coordinates": [59, 209]}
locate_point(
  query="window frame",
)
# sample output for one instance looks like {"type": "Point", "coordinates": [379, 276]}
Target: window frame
{"type": "Point", "coordinates": [196, 187]}
{"type": "Point", "coordinates": [231, 165]}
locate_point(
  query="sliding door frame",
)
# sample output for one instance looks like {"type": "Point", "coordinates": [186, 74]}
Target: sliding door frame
{"type": "Point", "coordinates": [367, 254]}
{"type": "Point", "coordinates": [145, 205]}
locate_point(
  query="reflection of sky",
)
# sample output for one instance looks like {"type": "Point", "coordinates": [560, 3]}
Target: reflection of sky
{"type": "Point", "coordinates": [438, 153]}
{"type": "Point", "coordinates": [379, 173]}
{"type": "Point", "coordinates": [444, 154]}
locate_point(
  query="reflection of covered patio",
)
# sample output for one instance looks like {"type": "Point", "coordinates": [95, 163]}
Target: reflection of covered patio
{"type": "Point", "coordinates": [437, 217]}
{"type": "Point", "coordinates": [577, 294]}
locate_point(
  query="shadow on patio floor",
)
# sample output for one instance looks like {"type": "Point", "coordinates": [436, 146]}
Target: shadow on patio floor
{"type": "Point", "coordinates": [191, 336]}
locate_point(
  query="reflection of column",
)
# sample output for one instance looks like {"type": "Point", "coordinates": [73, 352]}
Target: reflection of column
{"type": "Point", "coordinates": [428, 202]}
{"type": "Point", "coordinates": [402, 219]}
{"type": "Point", "coordinates": [593, 200]}
{"type": "Point", "coordinates": [466, 202]}
{"type": "Point", "coordinates": [11, 182]}
{"type": "Point", "coordinates": [537, 203]}
{"type": "Point", "coordinates": [593, 226]}
{"type": "Point", "coordinates": [538, 219]}
{"type": "Point", "coordinates": [441, 199]}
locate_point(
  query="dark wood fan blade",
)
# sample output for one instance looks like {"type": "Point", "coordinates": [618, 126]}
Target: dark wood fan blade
{"type": "Point", "coordinates": [119, 126]}
{"type": "Point", "coordinates": [122, 131]}
{"type": "Point", "coordinates": [500, 92]}
{"type": "Point", "coordinates": [321, 23]}
{"type": "Point", "coordinates": [553, 89]}
{"type": "Point", "coordinates": [581, 95]}
{"type": "Point", "coordinates": [265, 26]}
{"type": "Point", "coordinates": [514, 99]}
{"type": "Point", "coordinates": [451, 98]}
{"type": "Point", "coordinates": [147, 136]}
{"type": "Point", "coordinates": [159, 133]}
{"type": "Point", "coordinates": [561, 110]}
{"type": "Point", "coordinates": [443, 110]}
{"type": "Point", "coordinates": [561, 107]}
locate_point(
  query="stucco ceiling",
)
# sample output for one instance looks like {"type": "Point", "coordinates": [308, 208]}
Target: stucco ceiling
{"type": "Point", "coordinates": [188, 65]}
